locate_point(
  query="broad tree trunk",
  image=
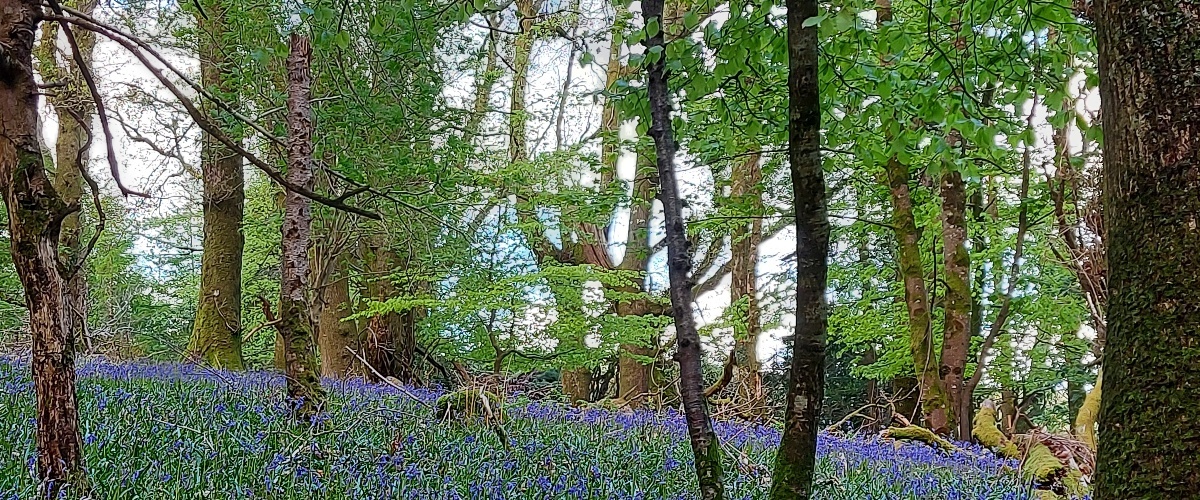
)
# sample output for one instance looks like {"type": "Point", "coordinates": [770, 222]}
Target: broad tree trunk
{"type": "Point", "coordinates": [295, 322]}
{"type": "Point", "coordinates": [635, 374]}
{"type": "Point", "coordinates": [1150, 101]}
{"type": "Point", "coordinates": [746, 191]}
{"type": "Point", "coordinates": [334, 333]}
{"type": "Point", "coordinates": [390, 342]}
{"type": "Point", "coordinates": [35, 212]}
{"type": "Point", "coordinates": [705, 446]}
{"type": "Point", "coordinates": [797, 456]}
{"type": "Point", "coordinates": [216, 333]}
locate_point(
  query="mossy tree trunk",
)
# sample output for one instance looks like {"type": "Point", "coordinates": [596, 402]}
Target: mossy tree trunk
{"type": "Point", "coordinates": [35, 214]}
{"type": "Point", "coordinates": [746, 193]}
{"type": "Point", "coordinates": [295, 322]}
{"type": "Point", "coordinates": [797, 457]}
{"type": "Point", "coordinates": [935, 403]}
{"type": "Point", "coordinates": [216, 332]}
{"type": "Point", "coordinates": [705, 446]}
{"type": "Point", "coordinates": [956, 332]}
{"type": "Point", "coordinates": [1149, 52]}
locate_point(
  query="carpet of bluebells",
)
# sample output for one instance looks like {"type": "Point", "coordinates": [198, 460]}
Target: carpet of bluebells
{"type": "Point", "coordinates": [157, 431]}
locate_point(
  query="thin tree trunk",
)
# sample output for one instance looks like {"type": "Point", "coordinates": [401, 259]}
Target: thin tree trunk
{"type": "Point", "coordinates": [73, 105]}
{"type": "Point", "coordinates": [705, 446]}
{"type": "Point", "coordinates": [935, 404]}
{"type": "Point", "coordinates": [956, 332]}
{"type": "Point", "coordinates": [216, 332]}
{"type": "Point", "coordinates": [518, 147]}
{"type": "Point", "coordinates": [35, 213]}
{"type": "Point", "coordinates": [1150, 102]}
{"type": "Point", "coordinates": [484, 81]}
{"type": "Point", "coordinates": [747, 377]}
{"type": "Point", "coordinates": [295, 322]}
{"type": "Point", "coordinates": [797, 456]}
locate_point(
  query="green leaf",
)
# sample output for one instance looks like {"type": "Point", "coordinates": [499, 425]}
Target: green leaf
{"type": "Point", "coordinates": [342, 39]}
{"type": "Point", "coordinates": [652, 28]}
{"type": "Point", "coordinates": [586, 59]}
{"type": "Point", "coordinates": [813, 21]}
{"type": "Point", "coordinates": [691, 20]}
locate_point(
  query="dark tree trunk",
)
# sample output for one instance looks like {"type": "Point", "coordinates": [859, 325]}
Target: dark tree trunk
{"type": "Point", "coordinates": [1149, 55]}
{"type": "Point", "coordinates": [797, 457]}
{"type": "Point", "coordinates": [705, 446]}
{"type": "Point", "coordinates": [216, 333]}
{"type": "Point", "coordinates": [295, 322]}
{"type": "Point", "coordinates": [35, 213]}
{"type": "Point", "coordinates": [390, 342]}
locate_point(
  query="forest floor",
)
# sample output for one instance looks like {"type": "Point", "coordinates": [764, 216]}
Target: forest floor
{"type": "Point", "coordinates": [163, 431]}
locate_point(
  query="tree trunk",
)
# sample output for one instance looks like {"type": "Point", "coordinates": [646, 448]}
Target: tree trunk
{"type": "Point", "coordinates": [935, 404]}
{"type": "Point", "coordinates": [747, 370]}
{"type": "Point", "coordinates": [391, 337]}
{"type": "Point", "coordinates": [334, 333]}
{"type": "Point", "coordinates": [484, 81]}
{"type": "Point", "coordinates": [216, 333]}
{"type": "Point", "coordinates": [635, 373]}
{"type": "Point", "coordinates": [35, 213]}
{"type": "Point", "coordinates": [295, 322]}
{"type": "Point", "coordinates": [956, 332]}
{"type": "Point", "coordinates": [518, 148]}
{"type": "Point", "coordinates": [74, 107]}
{"type": "Point", "coordinates": [797, 456]}
{"type": "Point", "coordinates": [1150, 102]}
{"type": "Point", "coordinates": [705, 446]}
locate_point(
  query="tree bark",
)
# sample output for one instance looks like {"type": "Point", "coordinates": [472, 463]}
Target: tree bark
{"type": "Point", "coordinates": [74, 107]}
{"type": "Point", "coordinates": [797, 456]}
{"type": "Point", "coordinates": [216, 333]}
{"type": "Point", "coordinates": [334, 333]}
{"type": "Point", "coordinates": [705, 446]}
{"type": "Point", "coordinates": [390, 337]}
{"type": "Point", "coordinates": [518, 147]}
{"type": "Point", "coordinates": [747, 375]}
{"type": "Point", "coordinates": [635, 374]}
{"type": "Point", "coordinates": [1149, 52]}
{"type": "Point", "coordinates": [956, 332]}
{"type": "Point", "coordinates": [295, 322]}
{"type": "Point", "coordinates": [35, 215]}
{"type": "Point", "coordinates": [935, 404]}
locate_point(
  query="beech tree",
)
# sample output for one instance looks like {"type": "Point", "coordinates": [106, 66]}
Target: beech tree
{"type": "Point", "coordinates": [1150, 103]}
{"type": "Point", "coordinates": [217, 329]}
